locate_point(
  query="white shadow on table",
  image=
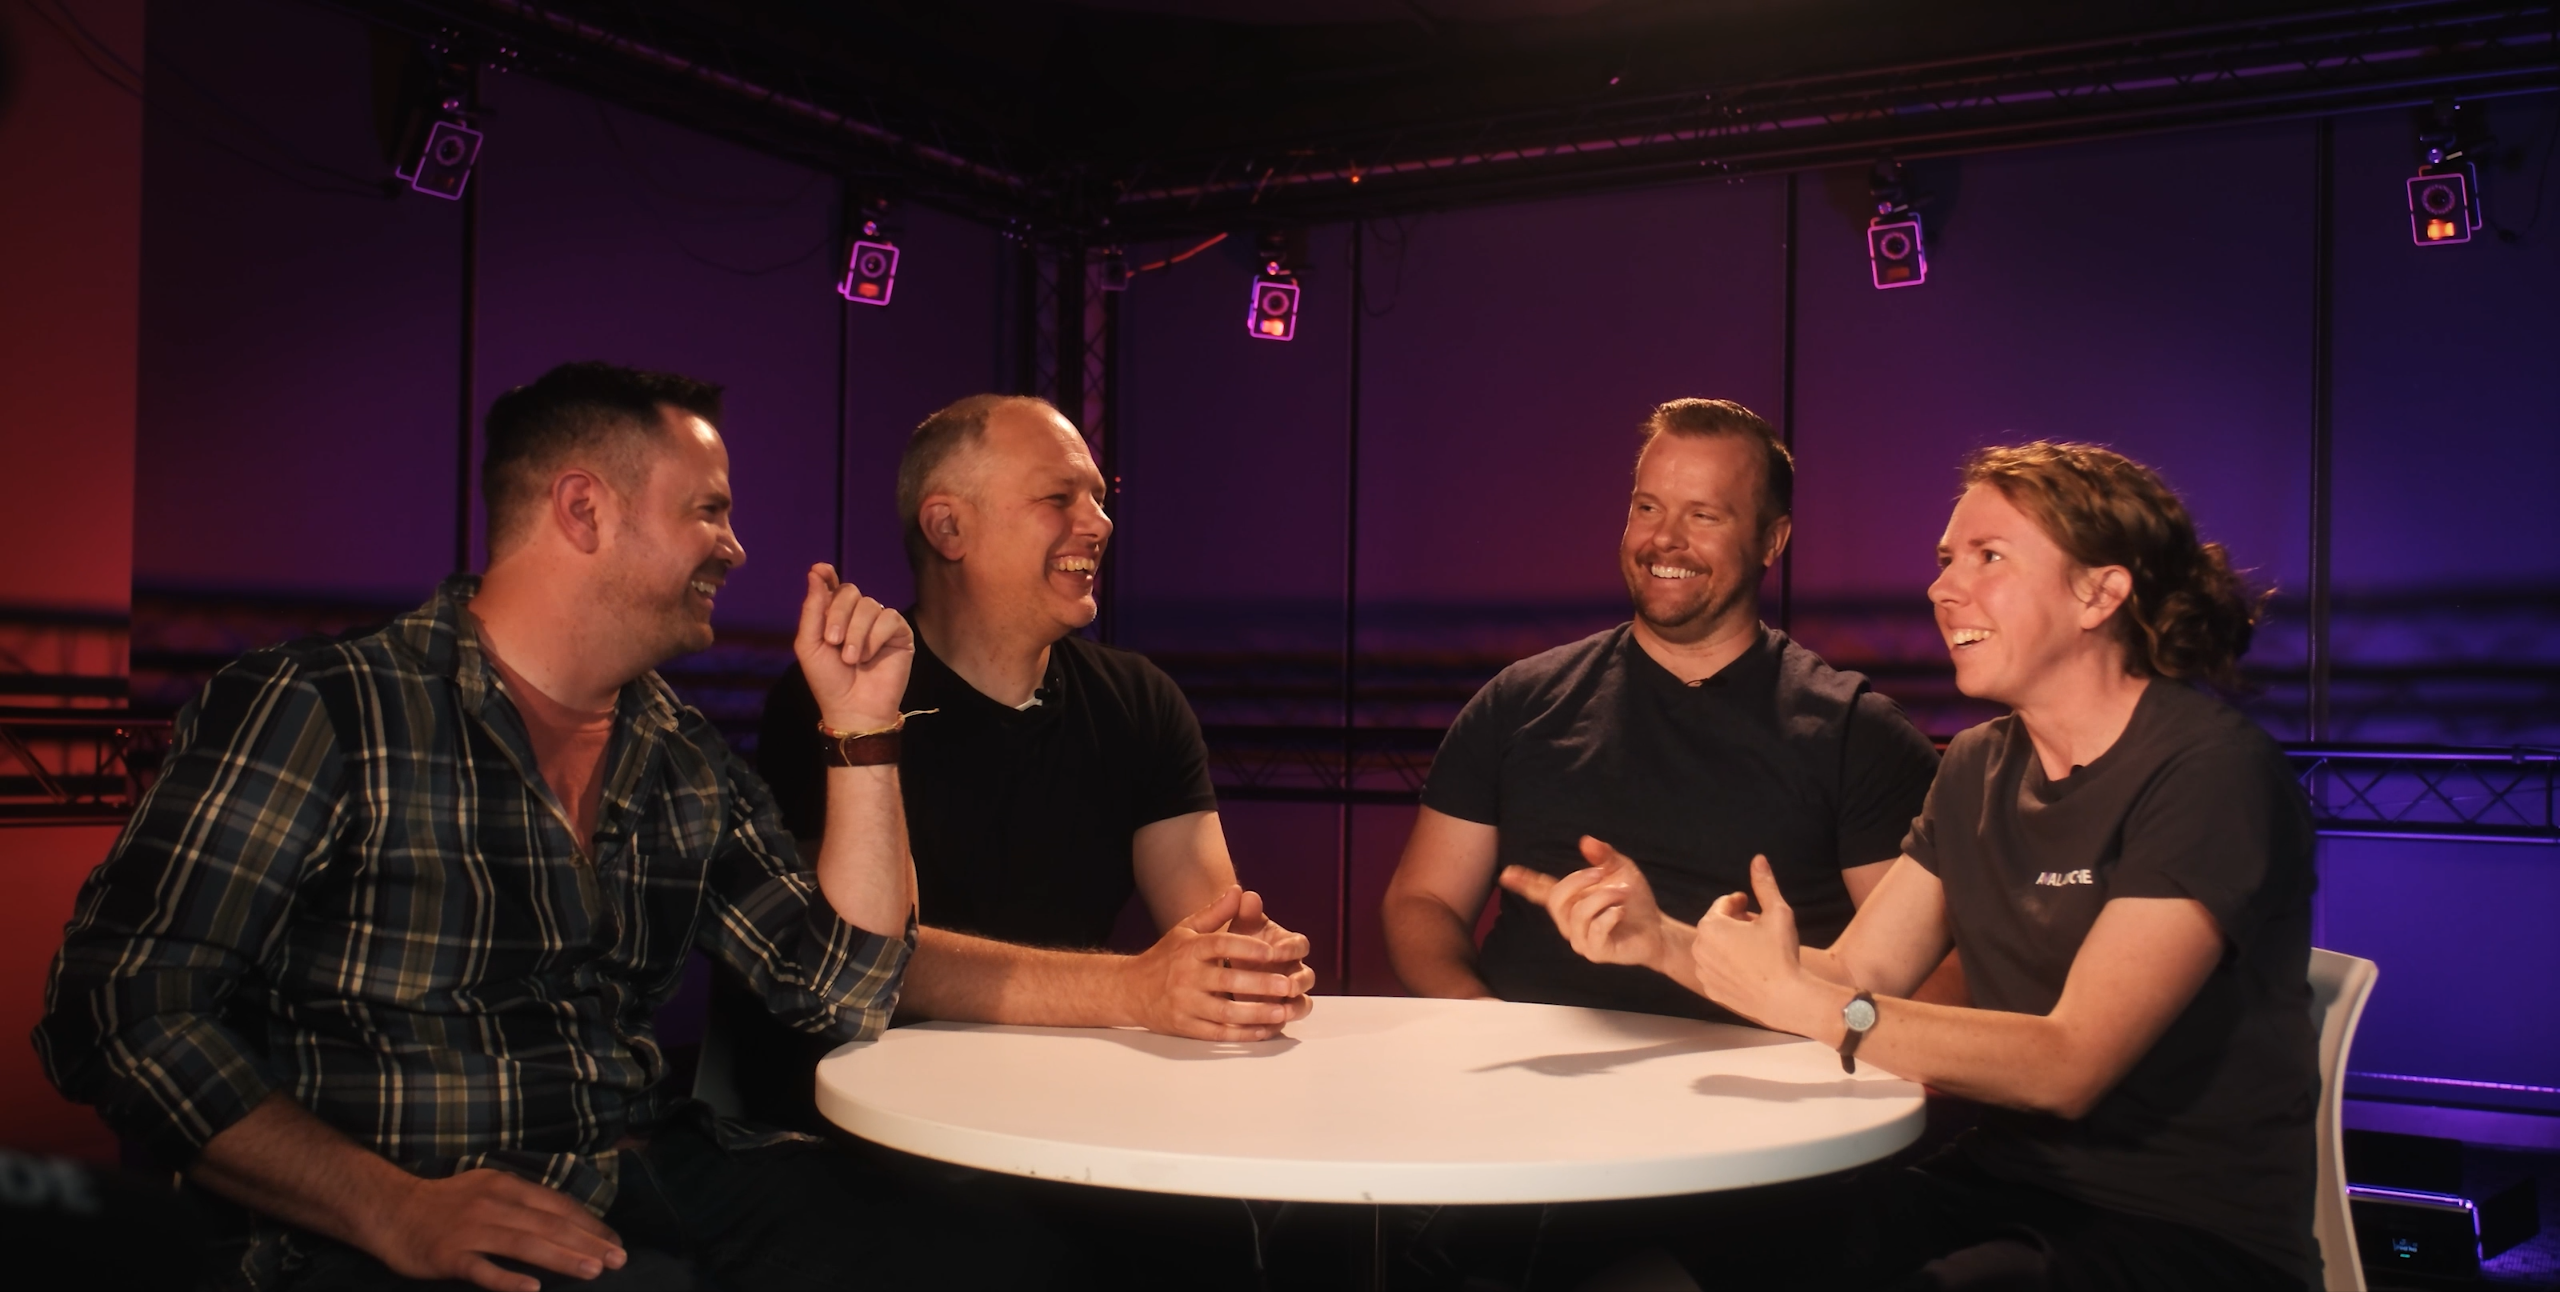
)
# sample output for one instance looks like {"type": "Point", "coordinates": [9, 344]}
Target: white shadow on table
{"type": "Point", "coordinates": [1733, 1085]}
{"type": "Point", "coordinates": [1187, 1050]}
{"type": "Point", "coordinates": [1593, 1062]}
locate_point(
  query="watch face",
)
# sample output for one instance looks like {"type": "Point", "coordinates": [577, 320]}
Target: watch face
{"type": "Point", "coordinates": [1859, 1015]}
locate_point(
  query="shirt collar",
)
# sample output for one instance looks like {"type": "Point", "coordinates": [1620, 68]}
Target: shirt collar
{"type": "Point", "coordinates": [445, 639]}
{"type": "Point", "coordinates": [1755, 669]}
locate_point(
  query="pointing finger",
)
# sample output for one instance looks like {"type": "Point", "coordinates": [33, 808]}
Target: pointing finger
{"type": "Point", "coordinates": [1764, 885]}
{"type": "Point", "coordinates": [1531, 884]}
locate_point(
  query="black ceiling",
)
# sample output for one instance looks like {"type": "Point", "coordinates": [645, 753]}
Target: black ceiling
{"type": "Point", "coordinates": [1143, 117]}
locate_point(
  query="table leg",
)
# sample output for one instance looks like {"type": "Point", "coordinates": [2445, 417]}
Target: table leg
{"type": "Point", "coordinates": [1377, 1248]}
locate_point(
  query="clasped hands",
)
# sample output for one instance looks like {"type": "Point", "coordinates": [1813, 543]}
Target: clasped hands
{"type": "Point", "coordinates": [1743, 960]}
{"type": "Point", "coordinates": [1225, 972]}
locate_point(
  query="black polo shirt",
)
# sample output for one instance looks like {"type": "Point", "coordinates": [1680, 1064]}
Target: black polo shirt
{"type": "Point", "coordinates": [1020, 819]}
{"type": "Point", "coordinates": [1778, 753]}
{"type": "Point", "coordinates": [2213, 1127]}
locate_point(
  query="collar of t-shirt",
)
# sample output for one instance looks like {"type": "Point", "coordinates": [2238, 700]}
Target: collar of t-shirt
{"type": "Point", "coordinates": [1754, 670]}
{"type": "Point", "coordinates": [568, 745]}
{"type": "Point", "coordinates": [2137, 730]}
{"type": "Point", "coordinates": [934, 684]}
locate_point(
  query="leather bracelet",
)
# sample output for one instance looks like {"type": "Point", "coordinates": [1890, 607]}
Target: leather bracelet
{"type": "Point", "coordinates": [880, 746]}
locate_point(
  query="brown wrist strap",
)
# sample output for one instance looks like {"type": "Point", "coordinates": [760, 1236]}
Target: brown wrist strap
{"type": "Point", "coordinates": [875, 748]}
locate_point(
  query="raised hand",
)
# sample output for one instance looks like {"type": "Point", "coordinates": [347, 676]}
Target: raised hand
{"type": "Point", "coordinates": [1748, 963]}
{"type": "Point", "coordinates": [1606, 910]}
{"type": "Point", "coordinates": [1204, 980]}
{"type": "Point", "coordinates": [449, 1228]}
{"type": "Point", "coordinates": [855, 652]}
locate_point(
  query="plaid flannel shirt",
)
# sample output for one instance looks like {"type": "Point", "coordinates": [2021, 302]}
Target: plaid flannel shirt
{"type": "Point", "coordinates": [351, 884]}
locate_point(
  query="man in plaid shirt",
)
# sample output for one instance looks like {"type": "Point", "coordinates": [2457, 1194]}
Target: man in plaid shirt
{"type": "Point", "coordinates": [377, 957]}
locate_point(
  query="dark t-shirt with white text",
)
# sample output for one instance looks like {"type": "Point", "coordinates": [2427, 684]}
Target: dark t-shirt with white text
{"type": "Point", "coordinates": [2213, 1127]}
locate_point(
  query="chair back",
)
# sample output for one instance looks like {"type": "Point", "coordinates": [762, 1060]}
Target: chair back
{"type": "Point", "coordinates": [2340, 985]}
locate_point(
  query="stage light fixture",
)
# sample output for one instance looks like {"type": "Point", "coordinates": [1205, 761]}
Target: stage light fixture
{"type": "Point", "coordinates": [2442, 208]}
{"type": "Point", "coordinates": [1274, 313]}
{"type": "Point", "coordinates": [443, 165]}
{"type": "Point", "coordinates": [427, 133]}
{"type": "Point", "coordinates": [871, 268]}
{"type": "Point", "coordinates": [2444, 196]}
{"type": "Point", "coordinates": [1113, 270]}
{"type": "Point", "coordinates": [1896, 254]}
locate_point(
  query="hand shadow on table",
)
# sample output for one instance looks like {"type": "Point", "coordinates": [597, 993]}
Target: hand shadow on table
{"type": "Point", "coordinates": [1187, 1050]}
{"type": "Point", "coordinates": [1593, 1062]}
{"type": "Point", "coordinates": [1734, 1085]}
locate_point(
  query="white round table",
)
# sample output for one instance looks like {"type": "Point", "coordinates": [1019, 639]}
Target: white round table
{"type": "Point", "coordinates": [1374, 1099]}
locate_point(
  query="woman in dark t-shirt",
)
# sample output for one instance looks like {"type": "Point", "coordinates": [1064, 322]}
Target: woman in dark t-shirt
{"type": "Point", "coordinates": [2124, 865]}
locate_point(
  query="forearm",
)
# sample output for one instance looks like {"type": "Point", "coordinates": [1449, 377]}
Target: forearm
{"type": "Point", "coordinates": [1431, 948]}
{"type": "Point", "coordinates": [970, 979]}
{"type": "Point", "coordinates": [283, 1162]}
{"type": "Point", "coordinates": [2026, 1061]}
{"type": "Point", "coordinates": [864, 867]}
{"type": "Point", "coordinates": [1943, 986]}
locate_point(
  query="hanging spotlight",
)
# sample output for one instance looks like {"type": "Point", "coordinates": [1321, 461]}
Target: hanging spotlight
{"type": "Point", "coordinates": [1273, 314]}
{"type": "Point", "coordinates": [436, 146]}
{"type": "Point", "coordinates": [871, 267]}
{"type": "Point", "coordinates": [2444, 196]}
{"type": "Point", "coordinates": [1112, 268]}
{"type": "Point", "coordinates": [443, 166]}
{"type": "Point", "coordinates": [1896, 256]}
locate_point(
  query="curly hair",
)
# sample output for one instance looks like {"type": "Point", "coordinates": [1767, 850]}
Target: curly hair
{"type": "Point", "coordinates": [2190, 615]}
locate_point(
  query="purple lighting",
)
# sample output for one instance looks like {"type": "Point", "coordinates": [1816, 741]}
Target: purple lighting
{"type": "Point", "coordinates": [870, 273]}
{"type": "Point", "coordinates": [1273, 315]}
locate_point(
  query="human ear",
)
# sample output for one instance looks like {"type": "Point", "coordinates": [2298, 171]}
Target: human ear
{"type": "Point", "coordinates": [2102, 590]}
{"type": "Point", "coordinates": [577, 508]}
{"type": "Point", "coordinates": [939, 518]}
{"type": "Point", "coordinates": [1773, 541]}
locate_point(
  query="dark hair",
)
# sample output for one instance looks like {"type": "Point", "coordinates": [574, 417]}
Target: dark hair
{"type": "Point", "coordinates": [604, 414]}
{"type": "Point", "coordinates": [1706, 417]}
{"type": "Point", "coordinates": [946, 432]}
{"type": "Point", "coordinates": [2190, 616]}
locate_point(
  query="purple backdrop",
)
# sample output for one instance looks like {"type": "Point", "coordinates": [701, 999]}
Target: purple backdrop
{"type": "Point", "coordinates": [299, 356]}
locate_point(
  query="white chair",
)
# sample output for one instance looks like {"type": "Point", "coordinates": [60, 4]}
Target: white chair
{"type": "Point", "coordinates": [2340, 985]}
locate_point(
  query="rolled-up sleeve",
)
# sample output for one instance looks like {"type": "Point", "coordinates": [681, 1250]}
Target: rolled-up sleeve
{"type": "Point", "coordinates": [772, 926]}
{"type": "Point", "coordinates": [186, 906]}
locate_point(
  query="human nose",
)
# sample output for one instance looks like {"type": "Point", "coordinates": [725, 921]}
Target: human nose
{"type": "Point", "coordinates": [731, 550]}
{"type": "Point", "coordinates": [1943, 590]}
{"type": "Point", "coordinates": [1093, 521]}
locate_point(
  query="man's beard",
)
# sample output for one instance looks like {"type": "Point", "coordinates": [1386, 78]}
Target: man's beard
{"type": "Point", "coordinates": [1714, 606]}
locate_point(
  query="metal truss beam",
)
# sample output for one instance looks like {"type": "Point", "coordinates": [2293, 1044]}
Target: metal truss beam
{"type": "Point", "coordinates": [2265, 69]}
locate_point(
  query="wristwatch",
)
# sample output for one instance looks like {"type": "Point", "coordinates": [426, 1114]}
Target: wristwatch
{"type": "Point", "coordinates": [873, 748]}
{"type": "Point", "coordinates": [1857, 1018]}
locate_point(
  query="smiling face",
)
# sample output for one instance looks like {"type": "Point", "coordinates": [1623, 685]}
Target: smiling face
{"type": "Point", "coordinates": [2014, 609]}
{"type": "Point", "coordinates": [1694, 550]}
{"type": "Point", "coordinates": [670, 547]}
{"type": "Point", "coordinates": [1032, 528]}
